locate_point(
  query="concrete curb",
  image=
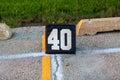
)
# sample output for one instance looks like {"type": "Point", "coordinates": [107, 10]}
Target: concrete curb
{"type": "Point", "coordinates": [92, 26]}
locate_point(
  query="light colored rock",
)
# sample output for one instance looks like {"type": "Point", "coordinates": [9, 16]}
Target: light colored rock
{"type": "Point", "coordinates": [92, 26]}
{"type": "Point", "coordinates": [5, 32]}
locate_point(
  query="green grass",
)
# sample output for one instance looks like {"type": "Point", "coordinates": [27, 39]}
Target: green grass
{"type": "Point", "coordinates": [18, 12]}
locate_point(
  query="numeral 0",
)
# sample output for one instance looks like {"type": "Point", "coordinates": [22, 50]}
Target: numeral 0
{"type": "Point", "coordinates": [62, 43]}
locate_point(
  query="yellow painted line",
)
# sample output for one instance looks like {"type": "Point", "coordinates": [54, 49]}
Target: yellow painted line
{"type": "Point", "coordinates": [46, 73]}
{"type": "Point", "coordinates": [46, 68]}
{"type": "Point", "coordinates": [43, 43]}
{"type": "Point", "coordinates": [46, 62]}
{"type": "Point", "coordinates": [78, 27]}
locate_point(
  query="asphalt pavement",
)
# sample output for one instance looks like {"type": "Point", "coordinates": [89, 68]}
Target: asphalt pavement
{"type": "Point", "coordinates": [20, 69]}
{"type": "Point", "coordinates": [21, 66]}
{"type": "Point", "coordinates": [86, 64]}
{"type": "Point", "coordinates": [97, 58]}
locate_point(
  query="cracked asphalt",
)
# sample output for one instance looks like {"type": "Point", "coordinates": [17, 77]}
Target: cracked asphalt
{"type": "Point", "coordinates": [86, 66]}
{"type": "Point", "coordinates": [57, 66]}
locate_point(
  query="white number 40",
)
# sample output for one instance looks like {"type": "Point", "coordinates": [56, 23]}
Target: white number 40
{"type": "Point", "coordinates": [65, 42]}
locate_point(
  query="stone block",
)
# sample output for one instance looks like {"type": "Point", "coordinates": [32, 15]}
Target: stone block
{"type": "Point", "coordinates": [93, 26]}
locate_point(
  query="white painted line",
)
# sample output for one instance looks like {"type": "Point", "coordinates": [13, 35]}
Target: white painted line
{"type": "Point", "coordinates": [53, 66]}
{"type": "Point", "coordinates": [100, 51]}
{"type": "Point", "coordinates": [60, 69]}
{"type": "Point", "coordinates": [37, 54]}
{"type": "Point", "coordinates": [22, 55]}
{"type": "Point", "coordinates": [57, 69]}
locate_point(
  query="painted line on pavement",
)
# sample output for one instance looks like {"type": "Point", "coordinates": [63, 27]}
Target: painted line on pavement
{"type": "Point", "coordinates": [22, 55]}
{"type": "Point", "coordinates": [55, 61]}
{"type": "Point", "coordinates": [39, 54]}
{"type": "Point", "coordinates": [99, 51]}
{"type": "Point", "coordinates": [57, 69]}
{"type": "Point", "coordinates": [46, 68]}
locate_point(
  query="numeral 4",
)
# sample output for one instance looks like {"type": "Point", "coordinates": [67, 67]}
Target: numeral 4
{"type": "Point", "coordinates": [53, 39]}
